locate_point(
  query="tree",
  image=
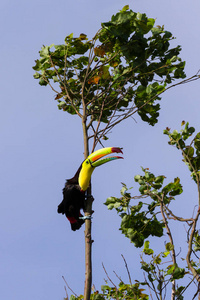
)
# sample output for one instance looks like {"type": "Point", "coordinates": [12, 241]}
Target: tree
{"type": "Point", "coordinates": [122, 70]}
{"type": "Point", "coordinates": [144, 218]}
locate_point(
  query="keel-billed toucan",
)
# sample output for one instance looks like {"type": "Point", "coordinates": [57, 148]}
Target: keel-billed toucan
{"type": "Point", "coordinates": [74, 190]}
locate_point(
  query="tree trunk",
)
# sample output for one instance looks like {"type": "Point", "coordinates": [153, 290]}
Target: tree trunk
{"type": "Point", "coordinates": [88, 237]}
{"type": "Point", "coordinates": [88, 251]}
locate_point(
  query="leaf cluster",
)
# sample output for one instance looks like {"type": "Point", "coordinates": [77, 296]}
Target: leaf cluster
{"type": "Point", "coordinates": [124, 291]}
{"type": "Point", "coordinates": [123, 69]}
{"type": "Point", "coordinates": [120, 292]}
{"type": "Point", "coordinates": [140, 219]}
{"type": "Point", "coordinates": [159, 271]}
{"type": "Point", "coordinates": [190, 149]}
{"type": "Point", "coordinates": [196, 241]}
{"type": "Point", "coordinates": [145, 60]}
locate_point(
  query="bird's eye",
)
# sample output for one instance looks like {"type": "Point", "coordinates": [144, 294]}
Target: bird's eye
{"type": "Point", "coordinates": [87, 162]}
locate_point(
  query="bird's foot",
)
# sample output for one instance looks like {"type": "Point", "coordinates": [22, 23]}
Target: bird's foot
{"type": "Point", "coordinates": [89, 197]}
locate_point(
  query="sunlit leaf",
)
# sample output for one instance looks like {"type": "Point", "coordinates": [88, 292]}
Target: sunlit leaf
{"type": "Point", "coordinates": [99, 51]}
{"type": "Point", "coordinates": [94, 79]}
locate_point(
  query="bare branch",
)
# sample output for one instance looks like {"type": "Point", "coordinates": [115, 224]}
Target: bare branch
{"type": "Point", "coordinates": [186, 288]}
{"type": "Point", "coordinates": [188, 256]}
{"type": "Point", "coordinates": [109, 277]}
{"type": "Point", "coordinates": [135, 109]}
{"type": "Point", "coordinates": [118, 276]}
{"type": "Point", "coordinates": [66, 91]}
{"type": "Point", "coordinates": [129, 276]}
{"type": "Point", "coordinates": [68, 287]}
{"type": "Point", "coordinates": [152, 288]}
{"type": "Point", "coordinates": [174, 217]}
{"type": "Point", "coordinates": [171, 241]}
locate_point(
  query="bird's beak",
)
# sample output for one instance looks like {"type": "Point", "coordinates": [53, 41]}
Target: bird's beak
{"type": "Point", "coordinates": [95, 158]}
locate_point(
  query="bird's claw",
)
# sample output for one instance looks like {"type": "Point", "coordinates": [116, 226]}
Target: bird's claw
{"type": "Point", "coordinates": [89, 197]}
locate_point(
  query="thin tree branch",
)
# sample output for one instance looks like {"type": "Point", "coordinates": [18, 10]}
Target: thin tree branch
{"type": "Point", "coordinates": [132, 111]}
{"type": "Point", "coordinates": [188, 256]}
{"type": "Point", "coordinates": [69, 287]}
{"type": "Point", "coordinates": [129, 276]}
{"type": "Point", "coordinates": [172, 242]}
{"type": "Point", "coordinates": [109, 277]}
{"type": "Point", "coordinates": [174, 217]}
{"type": "Point", "coordinates": [66, 91]}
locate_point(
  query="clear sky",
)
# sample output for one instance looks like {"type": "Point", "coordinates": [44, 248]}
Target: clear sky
{"type": "Point", "coordinates": [42, 146]}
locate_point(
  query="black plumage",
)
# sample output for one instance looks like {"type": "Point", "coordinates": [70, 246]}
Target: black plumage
{"type": "Point", "coordinates": [75, 188]}
{"type": "Point", "coordinates": [73, 202]}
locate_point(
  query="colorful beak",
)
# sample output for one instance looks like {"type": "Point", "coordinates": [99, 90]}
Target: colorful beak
{"type": "Point", "coordinates": [95, 158]}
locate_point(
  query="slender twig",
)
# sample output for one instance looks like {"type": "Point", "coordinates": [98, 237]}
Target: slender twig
{"type": "Point", "coordinates": [154, 289]}
{"type": "Point", "coordinates": [150, 288]}
{"type": "Point", "coordinates": [98, 124]}
{"type": "Point", "coordinates": [198, 289]}
{"type": "Point", "coordinates": [109, 277]}
{"type": "Point", "coordinates": [174, 217]}
{"type": "Point", "coordinates": [67, 297]}
{"type": "Point", "coordinates": [47, 81]}
{"type": "Point", "coordinates": [69, 286]}
{"type": "Point", "coordinates": [129, 276]}
{"type": "Point", "coordinates": [65, 67]}
{"type": "Point", "coordinates": [118, 277]}
{"type": "Point", "coordinates": [171, 241]}
{"type": "Point", "coordinates": [192, 167]}
{"type": "Point", "coordinates": [66, 91]}
{"type": "Point", "coordinates": [133, 111]}
{"type": "Point", "coordinates": [188, 256]}
{"type": "Point", "coordinates": [104, 130]}
{"type": "Point", "coordinates": [186, 287]}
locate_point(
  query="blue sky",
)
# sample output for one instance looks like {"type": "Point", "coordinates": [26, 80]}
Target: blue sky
{"type": "Point", "coordinates": [42, 146]}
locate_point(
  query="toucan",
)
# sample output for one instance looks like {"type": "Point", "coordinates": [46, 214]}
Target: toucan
{"type": "Point", "coordinates": [75, 188]}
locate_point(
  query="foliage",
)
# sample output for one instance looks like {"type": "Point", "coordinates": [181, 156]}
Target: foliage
{"type": "Point", "coordinates": [122, 70]}
{"type": "Point", "coordinates": [123, 291]}
{"type": "Point", "coordinates": [139, 221]}
{"type": "Point", "coordinates": [142, 219]}
{"type": "Point", "coordinates": [191, 151]}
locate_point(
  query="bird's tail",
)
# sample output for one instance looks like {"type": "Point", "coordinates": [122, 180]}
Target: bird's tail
{"type": "Point", "coordinates": [76, 224]}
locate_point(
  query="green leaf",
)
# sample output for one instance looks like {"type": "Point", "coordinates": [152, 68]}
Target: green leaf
{"type": "Point", "coordinates": [157, 260]}
{"type": "Point", "coordinates": [178, 273]}
{"type": "Point", "coordinates": [62, 105]}
{"type": "Point", "coordinates": [146, 249]}
{"type": "Point", "coordinates": [137, 178]}
{"type": "Point", "coordinates": [159, 179]}
{"type": "Point", "coordinates": [143, 189]}
{"type": "Point", "coordinates": [37, 75]}
{"type": "Point", "coordinates": [166, 253]}
{"type": "Point", "coordinates": [45, 51]}
{"type": "Point", "coordinates": [123, 190]}
{"type": "Point", "coordinates": [125, 8]}
{"type": "Point", "coordinates": [189, 151]}
{"type": "Point", "coordinates": [117, 204]}
{"type": "Point", "coordinates": [169, 247]}
{"type": "Point", "coordinates": [42, 81]}
{"type": "Point", "coordinates": [110, 206]}
{"type": "Point", "coordinates": [171, 269]}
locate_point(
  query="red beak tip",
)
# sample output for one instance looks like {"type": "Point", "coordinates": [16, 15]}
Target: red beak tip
{"type": "Point", "coordinates": [117, 150]}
